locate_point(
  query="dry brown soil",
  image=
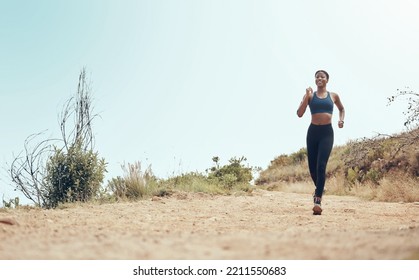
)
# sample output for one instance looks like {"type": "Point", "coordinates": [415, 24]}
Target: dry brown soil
{"type": "Point", "coordinates": [262, 225]}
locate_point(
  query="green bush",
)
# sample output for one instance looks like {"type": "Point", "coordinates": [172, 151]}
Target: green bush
{"type": "Point", "coordinates": [230, 174]}
{"type": "Point", "coordinates": [73, 175]}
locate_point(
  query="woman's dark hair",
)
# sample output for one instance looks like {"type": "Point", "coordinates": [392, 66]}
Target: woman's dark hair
{"type": "Point", "coordinates": [322, 71]}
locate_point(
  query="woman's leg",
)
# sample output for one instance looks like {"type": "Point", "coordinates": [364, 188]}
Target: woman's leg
{"type": "Point", "coordinates": [312, 152]}
{"type": "Point", "coordinates": [324, 149]}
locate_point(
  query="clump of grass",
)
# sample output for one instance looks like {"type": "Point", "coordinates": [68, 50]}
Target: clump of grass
{"type": "Point", "coordinates": [398, 188]}
{"type": "Point", "coordinates": [395, 188]}
{"type": "Point", "coordinates": [336, 185]}
{"type": "Point", "coordinates": [134, 184]}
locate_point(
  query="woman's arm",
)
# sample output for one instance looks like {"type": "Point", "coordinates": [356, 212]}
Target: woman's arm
{"type": "Point", "coordinates": [341, 110]}
{"type": "Point", "coordinates": [304, 103]}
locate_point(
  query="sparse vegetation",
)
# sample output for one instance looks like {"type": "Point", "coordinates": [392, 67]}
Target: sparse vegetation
{"type": "Point", "coordinates": [232, 174]}
{"type": "Point", "coordinates": [54, 171]}
{"type": "Point", "coordinates": [137, 184]}
{"type": "Point", "coordinates": [412, 111]}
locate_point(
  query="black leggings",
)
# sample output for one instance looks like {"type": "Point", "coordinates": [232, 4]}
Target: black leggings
{"type": "Point", "coordinates": [319, 145]}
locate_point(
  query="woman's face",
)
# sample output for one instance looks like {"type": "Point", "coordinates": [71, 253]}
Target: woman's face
{"type": "Point", "coordinates": [321, 79]}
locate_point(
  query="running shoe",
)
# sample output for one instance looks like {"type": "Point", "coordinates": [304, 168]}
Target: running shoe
{"type": "Point", "coordinates": [317, 209]}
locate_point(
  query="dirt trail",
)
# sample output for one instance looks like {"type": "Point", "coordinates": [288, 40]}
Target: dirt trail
{"type": "Point", "coordinates": [263, 225]}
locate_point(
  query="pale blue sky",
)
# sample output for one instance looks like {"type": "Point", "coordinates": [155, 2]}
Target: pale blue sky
{"type": "Point", "coordinates": [178, 82]}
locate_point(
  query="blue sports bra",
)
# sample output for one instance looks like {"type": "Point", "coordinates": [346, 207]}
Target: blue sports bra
{"type": "Point", "coordinates": [321, 105]}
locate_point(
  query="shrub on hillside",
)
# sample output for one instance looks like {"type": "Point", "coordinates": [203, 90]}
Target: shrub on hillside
{"type": "Point", "coordinates": [75, 175]}
{"type": "Point", "coordinates": [372, 159]}
{"type": "Point", "coordinates": [292, 159]}
{"type": "Point", "coordinates": [231, 174]}
{"type": "Point", "coordinates": [286, 168]}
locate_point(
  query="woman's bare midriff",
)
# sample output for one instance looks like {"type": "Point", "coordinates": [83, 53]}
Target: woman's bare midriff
{"type": "Point", "coordinates": [321, 119]}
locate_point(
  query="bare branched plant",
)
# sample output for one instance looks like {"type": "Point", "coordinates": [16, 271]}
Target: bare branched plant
{"type": "Point", "coordinates": [76, 117]}
{"type": "Point", "coordinates": [31, 170]}
{"type": "Point", "coordinates": [411, 123]}
{"type": "Point", "coordinates": [412, 112]}
{"type": "Point", "coordinates": [412, 115]}
{"type": "Point", "coordinates": [27, 170]}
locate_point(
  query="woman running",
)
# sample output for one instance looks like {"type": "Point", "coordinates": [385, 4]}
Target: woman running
{"type": "Point", "coordinates": [320, 132]}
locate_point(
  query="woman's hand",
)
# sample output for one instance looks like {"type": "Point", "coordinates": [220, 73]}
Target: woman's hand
{"type": "Point", "coordinates": [340, 124]}
{"type": "Point", "coordinates": [304, 103]}
{"type": "Point", "coordinates": [309, 92]}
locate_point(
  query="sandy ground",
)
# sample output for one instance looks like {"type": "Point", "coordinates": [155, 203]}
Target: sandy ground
{"type": "Point", "coordinates": [262, 225]}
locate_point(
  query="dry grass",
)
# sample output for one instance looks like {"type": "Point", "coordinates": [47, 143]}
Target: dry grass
{"type": "Point", "coordinates": [284, 173]}
{"type": "Point", "coordinates": [398, 188]}
{"type": "Point", "coordinates": [395, 188]}
{"type": "Point", "coordinates": [336, 185]}
{"type": "Point", "coordinates": [135, 183]}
